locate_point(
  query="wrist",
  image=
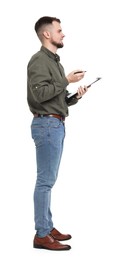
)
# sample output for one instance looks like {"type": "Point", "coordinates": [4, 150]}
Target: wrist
{"type": "Point", "coordinates": [78, 97]}
{"type": "Point", "coordinates": [69, 79]}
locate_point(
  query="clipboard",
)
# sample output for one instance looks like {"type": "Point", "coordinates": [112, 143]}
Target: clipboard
{"type": "Point", "coordinates": [71, 95]}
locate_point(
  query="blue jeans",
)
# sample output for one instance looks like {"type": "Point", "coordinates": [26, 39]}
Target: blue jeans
{"type": "Point", "coordinates": [48, 134]}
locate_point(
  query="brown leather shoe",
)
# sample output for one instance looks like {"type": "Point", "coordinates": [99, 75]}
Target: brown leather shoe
{"type": "Point", "coordinates": [58, 236]}
{"type": "Point", "coordinates": [48, 242]}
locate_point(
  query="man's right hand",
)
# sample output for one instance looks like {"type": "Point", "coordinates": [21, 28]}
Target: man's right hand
{"type": "Point", "coordinates": [75, 77]}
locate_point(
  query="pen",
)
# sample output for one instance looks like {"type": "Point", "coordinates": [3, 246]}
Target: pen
{"type": "Point", "coordinates": [80, 71]}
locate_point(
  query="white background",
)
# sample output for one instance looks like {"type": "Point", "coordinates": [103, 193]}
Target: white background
{"type": "Point", "coordinates": [84, 197]}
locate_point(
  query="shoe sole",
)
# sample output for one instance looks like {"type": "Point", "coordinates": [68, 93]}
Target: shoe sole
{"type": "Point", "coordinates": [62, 239]}
{"type": "Point", "coordinates": [60, 249]}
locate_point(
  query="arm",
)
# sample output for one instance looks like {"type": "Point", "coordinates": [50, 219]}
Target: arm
{"type": "Point", "coordinates": [41, 83]}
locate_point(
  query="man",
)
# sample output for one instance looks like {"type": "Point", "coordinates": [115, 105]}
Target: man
{"type": "Point", "coordinates": [47, 101]}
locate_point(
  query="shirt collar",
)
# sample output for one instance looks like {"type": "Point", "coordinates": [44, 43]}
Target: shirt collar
{"type": "Point", "coordinates": [55, 57]}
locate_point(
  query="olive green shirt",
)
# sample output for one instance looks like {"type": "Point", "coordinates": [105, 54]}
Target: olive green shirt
{"type": "Point", "coordinates": [46, 86]}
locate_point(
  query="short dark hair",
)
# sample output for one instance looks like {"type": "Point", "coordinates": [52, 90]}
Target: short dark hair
{"type": "Point", "coordinates": [44, 21]}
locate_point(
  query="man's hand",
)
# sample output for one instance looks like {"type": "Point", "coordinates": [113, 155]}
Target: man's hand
{"type": "Point", "coordinates": [75, 77]}
{"type": "Point", "coordinates": [81, 91]}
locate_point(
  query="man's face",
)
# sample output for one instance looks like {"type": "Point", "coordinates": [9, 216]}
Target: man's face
{"type": "Point", "coordinates": [56, 35]}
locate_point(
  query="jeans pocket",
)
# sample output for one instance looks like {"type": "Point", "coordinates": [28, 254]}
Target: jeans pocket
{"type": "Point", "coordinates": [54, 123]}
{"type": "Point", "coordinates": [38, 131]}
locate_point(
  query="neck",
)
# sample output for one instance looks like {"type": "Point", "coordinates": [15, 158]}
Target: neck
{"type": "Point", "coordinates": [50, 47]}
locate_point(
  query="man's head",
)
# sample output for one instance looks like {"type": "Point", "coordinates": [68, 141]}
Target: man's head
{"type": "Point", "coordinates": [49, 31]}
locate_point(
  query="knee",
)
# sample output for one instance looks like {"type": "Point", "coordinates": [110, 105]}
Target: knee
{"type": "Point", "coordinates": [45, 184]}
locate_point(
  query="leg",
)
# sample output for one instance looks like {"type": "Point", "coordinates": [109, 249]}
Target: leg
{"type": "Point", "coordinates": [48, 135]}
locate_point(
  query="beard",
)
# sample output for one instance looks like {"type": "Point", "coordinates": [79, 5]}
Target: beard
{"type": "Point", "coordinates": [58, 45]}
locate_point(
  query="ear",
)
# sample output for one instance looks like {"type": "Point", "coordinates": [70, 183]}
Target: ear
{"type": "Point", "coordinates": [46, 34]}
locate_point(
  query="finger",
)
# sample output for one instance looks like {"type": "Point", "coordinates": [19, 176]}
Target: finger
{"type": "Point", "coordinates": [85, 88]}
{"type": "Point", "coordinates": [80, 90]}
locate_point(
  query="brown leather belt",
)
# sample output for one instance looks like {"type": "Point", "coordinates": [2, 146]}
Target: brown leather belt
{"type": "Point", "coordinates": [51, 115]}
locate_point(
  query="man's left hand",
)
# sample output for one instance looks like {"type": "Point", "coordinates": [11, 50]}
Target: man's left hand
{"type": "Point", "coordinates": [81, 91]}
